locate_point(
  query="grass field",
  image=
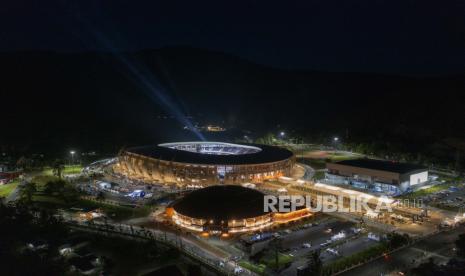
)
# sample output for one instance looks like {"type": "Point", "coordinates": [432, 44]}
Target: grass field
{"type": "Point", "coordinates": [6, 189]}
{"type": "Point", "coordinates": [317, 158]}
{"type": "Point", "coordinates": [49, 200]}
{"type": "Point", "coordinates": [68, 169]}
{"type": "Point", "coordinates": [267, 261]}
{"type": "Point", "coordinates": [270, 261]}
{"type": "Point", "coordinates": [41, 180]}
{"type": "Point", "coordinates": [259, 269]}
{"type": "Point", "coordinates": [319, 175]}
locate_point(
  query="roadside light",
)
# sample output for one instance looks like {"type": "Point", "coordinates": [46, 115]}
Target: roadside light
{"type": "Point", "coordinates": [72, 152]}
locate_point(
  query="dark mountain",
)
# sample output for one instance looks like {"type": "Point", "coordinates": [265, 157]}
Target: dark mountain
{"type": "Point", "coordinates": [104, 101]}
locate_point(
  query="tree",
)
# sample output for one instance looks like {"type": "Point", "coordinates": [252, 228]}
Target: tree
{"type": "Point", "coordinates": [27, 192]}
{"type": "Point", "coordinates": [395, 240]}
{"type": "Point", "coordinates": [22, 225]}
{"type": "Point", "coordinates": [315, 265]}
{"type": "Point", "coordinates": [100, 196]}
{"type": "Point", "coordinates": [24, 163]}
{"type": "Point", "coordinates": [52, 187]}
{"type": "Point", "coordinates": [69, 193]}
{"type": "Point", "coordinates": [58, 167]}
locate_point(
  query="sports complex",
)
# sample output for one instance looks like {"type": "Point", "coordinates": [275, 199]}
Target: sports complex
{"type": "Point", "coordinates": [187, 163]}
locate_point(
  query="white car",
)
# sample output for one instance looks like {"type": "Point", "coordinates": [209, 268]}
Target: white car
{"type": "Point", "coordinates": [306, 245]}
{"type": "Point", "coordinates": [333, 251]}
{"type": "Point", "coordinates": [238, 270]}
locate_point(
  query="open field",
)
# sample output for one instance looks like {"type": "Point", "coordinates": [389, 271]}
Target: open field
{"type": "Point", "coordinates": [317, 158]}
{"type": "Point", "coordinates": [331, 155]}
{"type": "Point", "coordinates": [6, 189]}
{"type": "Point", "coordinates": [68, 169]}
{"type": "Point", "coordinates": [259, 269]}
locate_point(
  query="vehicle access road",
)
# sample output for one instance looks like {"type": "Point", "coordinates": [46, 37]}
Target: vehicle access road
{"type": "Point", "coordinates": [439, 246]}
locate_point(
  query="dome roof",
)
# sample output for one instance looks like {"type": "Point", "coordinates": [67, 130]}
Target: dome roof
{"type": "Point", "coordinates": [221, 203]}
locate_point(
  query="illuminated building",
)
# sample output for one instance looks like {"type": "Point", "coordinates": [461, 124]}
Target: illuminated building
{"type": "Point", "coordinates": [392, 178]}
{"type": "Point", "coordinates": [207, 163]}
{"type": "Point", "coordinates": [227, 209]}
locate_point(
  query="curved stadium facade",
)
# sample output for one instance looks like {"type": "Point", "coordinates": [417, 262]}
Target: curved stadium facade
{"type": "Point", "coordinates": [187, 163]}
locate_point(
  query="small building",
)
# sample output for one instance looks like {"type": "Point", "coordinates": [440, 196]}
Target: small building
{"type": "Point", "coordinates": [387, 177]}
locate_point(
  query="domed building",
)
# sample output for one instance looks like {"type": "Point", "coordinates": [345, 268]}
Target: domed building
{"type": "Point", "coordinates": [221, 209]}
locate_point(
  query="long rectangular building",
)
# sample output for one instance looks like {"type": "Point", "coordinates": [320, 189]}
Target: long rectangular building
{"type": "Point", "coordinates": [377, 175]}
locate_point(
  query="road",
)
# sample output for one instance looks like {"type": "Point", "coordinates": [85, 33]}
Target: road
{"type": "Point", "coordinates": [14, 195]}
{"type": "Point", "coordinates": [440, 247]}
{"type": "Point", "coordinates": [190, 245]}
{"type": "Point", "coordinates": [309, 172]}
{"type": "Point", "coordinates": [316, 236]}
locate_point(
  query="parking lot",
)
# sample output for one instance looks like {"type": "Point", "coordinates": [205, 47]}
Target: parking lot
{"type": "Point", "coordinates": [452, 198]}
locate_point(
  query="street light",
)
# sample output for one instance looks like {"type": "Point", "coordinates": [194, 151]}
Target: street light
{"type": "Point", "coordinates": [336, 140]}
{"type": "Point", "coordinates": [72, 155]}
{"type": "Point", "coordinates": [282, 133]}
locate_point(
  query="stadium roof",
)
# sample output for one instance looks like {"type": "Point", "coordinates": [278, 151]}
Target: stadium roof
{"type": "Point", "coordinates": [224, 202]}
{"type": "Point", "coordinates": [268, 154]}
{"type": "Point", "coordinates": [382, 165]}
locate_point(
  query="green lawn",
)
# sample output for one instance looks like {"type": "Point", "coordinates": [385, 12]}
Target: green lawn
{"type": "Point", "coordinates": [73, 169]}
{"type": "Point", "coordinates": [48, 200]}
{"type": "Point", "coordinates": [68, 169]}
{"type": "Point", "coordinates": [270, 261]}
{"type": "Point", "coordinates": [259, 269]}
{"type": "Point", "coordinates": [316, 164]}
{"type": "Point", "coordinates": [267, 261]}
{"type": "Point", "coordinates": [41, 180]}
{"type": "Point", "coordinates": [319, 175]}
{"type": "Point", "coordinates": [6, 189]}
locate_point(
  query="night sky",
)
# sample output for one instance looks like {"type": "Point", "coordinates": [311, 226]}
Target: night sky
{"type": "Point", "coordinates": [337, 35]}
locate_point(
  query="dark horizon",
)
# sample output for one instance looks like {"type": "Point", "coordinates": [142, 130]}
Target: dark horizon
{"type": "Point", "coordinates": [363, 36]}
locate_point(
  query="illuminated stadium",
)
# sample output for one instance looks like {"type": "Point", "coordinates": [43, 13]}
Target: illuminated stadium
{"type": "Point", "coordinates": [188, 163]}
{"type": "Point", "coordinates": [220, 209]}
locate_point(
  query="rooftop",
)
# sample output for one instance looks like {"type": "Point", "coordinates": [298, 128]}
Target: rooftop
{"type": "Point", "coordinates": [261, 154]}
{"type": "Point", "coordinates": [222, 202]}
{"type": "Point", "coordinates": [382, 165]}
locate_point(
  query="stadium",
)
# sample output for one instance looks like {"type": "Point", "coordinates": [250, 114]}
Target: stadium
{"type": "Point", "coordinates": [227, 209]}
{"type": "Point", "coordinates": [199, 163]}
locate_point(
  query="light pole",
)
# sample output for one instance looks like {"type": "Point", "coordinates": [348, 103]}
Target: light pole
{"type": "Point", "coordinates": [335, 140]}
{"type": "Point", "coordinates": [72, 155]}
